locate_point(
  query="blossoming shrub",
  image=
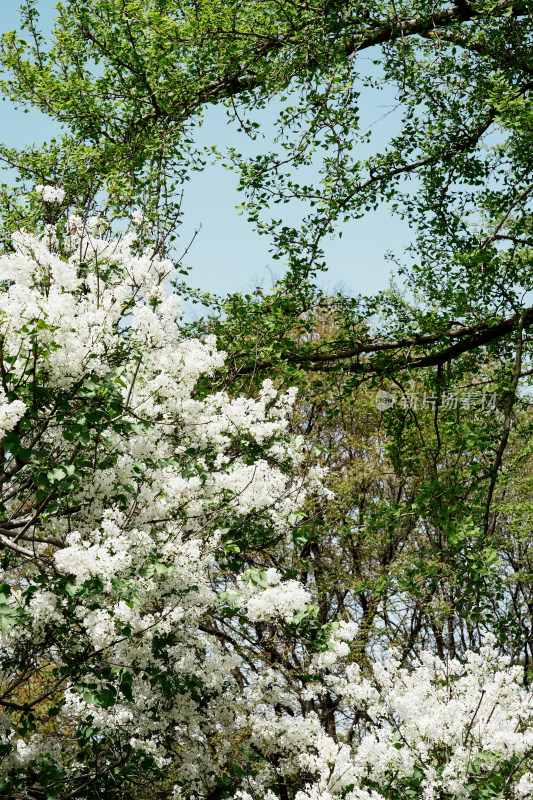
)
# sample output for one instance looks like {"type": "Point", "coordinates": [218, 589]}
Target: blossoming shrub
{"type": "Point", "coordinates": [155, 640]}
{"type": "Point", "coordinates": [133, 506]}
{"type": "Point", "coordinates": [434, 729]}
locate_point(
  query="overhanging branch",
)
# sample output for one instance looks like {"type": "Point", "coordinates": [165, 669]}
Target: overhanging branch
{"type": "Point", "coordinates": [404, 352]}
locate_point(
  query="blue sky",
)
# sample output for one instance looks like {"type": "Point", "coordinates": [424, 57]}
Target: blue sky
{"type": "Point", "coordinates": [228, 255]}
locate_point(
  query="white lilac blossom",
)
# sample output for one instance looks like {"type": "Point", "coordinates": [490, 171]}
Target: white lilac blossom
{"type": "Point", "coordinates": [10, 413]}
{"type": "Point", "coordinates": [50, 194]}
{"type": "Point", "coordinates": [432, 729]}
{"type": "Point", "coordinates": [126, 489]}
{"type": "Point", "coordinates": [96, 225]}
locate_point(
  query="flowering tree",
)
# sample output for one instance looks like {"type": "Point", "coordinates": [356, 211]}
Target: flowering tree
{"type": "Point", "coordinates": [132, 502]}
{"type": "Point", "coordinates": [155, 640]}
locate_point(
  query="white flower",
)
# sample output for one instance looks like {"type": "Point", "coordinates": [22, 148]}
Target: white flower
{"type": "Point", "coordinates": [96, 225]}
{"type": "Point", "coordinates": [10, 413]}
{"type": "Point", "coordinates": [50, 194]}
{"type": "Point", "coordinates": [524, 787]}
{"type": "Point", "coordinates": [284, 600]}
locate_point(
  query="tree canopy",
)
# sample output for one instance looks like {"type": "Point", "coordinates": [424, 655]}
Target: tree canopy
{"type": "Point", "coordinates": [130, 81]}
